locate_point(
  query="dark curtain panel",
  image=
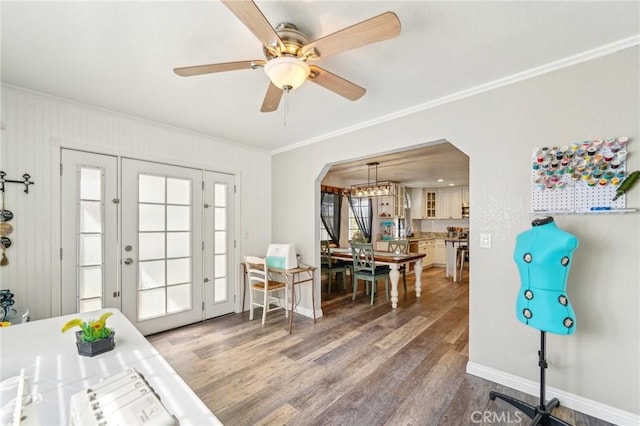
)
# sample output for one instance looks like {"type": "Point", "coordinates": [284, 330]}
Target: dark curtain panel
{"type": "Point", "coordinates": [363, 211]}
{"type": "Point", "coordinates": [330, 207]}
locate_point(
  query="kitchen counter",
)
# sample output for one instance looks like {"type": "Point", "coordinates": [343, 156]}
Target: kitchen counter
{"type": "Point", "coordinates": [428, 236]}
{"type": "Point", "coordinates": [456, 240]}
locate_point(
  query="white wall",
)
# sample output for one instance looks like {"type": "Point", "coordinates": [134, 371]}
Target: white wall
{"type": "Point", "coordinates": [498, 130]}
{"type": "Point", "coordinates": [34, 124]}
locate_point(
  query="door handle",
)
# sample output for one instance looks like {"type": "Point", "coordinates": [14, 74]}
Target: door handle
{"type": "Point", "coordinates": [128, 261]}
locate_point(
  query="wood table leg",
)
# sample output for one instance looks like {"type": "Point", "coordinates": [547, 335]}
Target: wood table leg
{"type": "Point", "coordinates": [313, 294]}
{"type": "Point", "coordinates": [244, 280]}
{"type": "Point", "coordinates": [417, 270]}
{"type": "Point", "coordinates": [394, 274]}
{"type": "Point", "coordinates": [293, 297]}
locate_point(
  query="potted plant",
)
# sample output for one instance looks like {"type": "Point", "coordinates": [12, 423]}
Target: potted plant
{"type": "Point", "coordinates": [94, 337]}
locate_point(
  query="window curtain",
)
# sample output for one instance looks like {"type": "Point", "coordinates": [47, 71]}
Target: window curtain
{"type": "Point", "coordinates": [363, 212]}
{"type": "Point", "coordinates": [330, 207]}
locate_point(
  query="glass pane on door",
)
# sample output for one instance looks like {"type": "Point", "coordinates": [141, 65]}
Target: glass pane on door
{"type": "Point", "coordinates": [219, 248]}
{"type": "Point", "coordinates": [88, 232]}
{"type": "Point", "coordinates": [90, 239]}
{"type": "Point", "coordinates": [164, 241]}
{"type": "Point", "coordinates": [220, 242]}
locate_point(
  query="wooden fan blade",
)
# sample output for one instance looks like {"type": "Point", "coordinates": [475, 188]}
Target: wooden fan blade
{"type": "Point", "coordinates": [378, 28]}
{"type": "Point", "coordinates": [213, 68]}
{"type": "Point", "coordinates": [336, 84]}
{"type": "Point", "coordinates": [247, 12]}
{"type": "Point", "coordinates": [272, 98]}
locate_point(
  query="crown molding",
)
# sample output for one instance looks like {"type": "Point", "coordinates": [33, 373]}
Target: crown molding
{"type": "Point", "coordinates": [569, 61]}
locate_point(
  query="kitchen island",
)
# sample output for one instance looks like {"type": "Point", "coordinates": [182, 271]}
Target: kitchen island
{"type": "Point", "coordinates": [452, 245]}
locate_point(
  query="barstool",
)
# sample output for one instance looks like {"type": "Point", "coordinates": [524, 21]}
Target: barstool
{"type": "Point", "coordinates": [462, 255]}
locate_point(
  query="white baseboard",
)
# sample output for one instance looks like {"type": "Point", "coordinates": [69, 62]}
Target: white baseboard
{"type": "Point", "coordinates": [569, 400]}
{"type": "Point", "coordinates": [307, 312]}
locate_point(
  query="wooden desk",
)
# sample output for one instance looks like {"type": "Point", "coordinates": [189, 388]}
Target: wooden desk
{"type": "Point", "coordinates": [55, 371]}
{"type": "Point", "coordinates": [292, 277]}
{"type": "Point", "coordinates": [393, 261]}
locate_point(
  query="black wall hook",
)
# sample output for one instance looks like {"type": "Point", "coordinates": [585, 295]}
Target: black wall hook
{"type": "Point", "coordinates": [26, 182]}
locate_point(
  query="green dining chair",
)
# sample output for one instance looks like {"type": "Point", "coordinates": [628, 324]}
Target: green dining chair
{"type": "Point", "coordinates": [364, 268]}
{"type": "Point", "coordinates": [330, 266]}
{"type": "Point", "coordinates": [400, 247]}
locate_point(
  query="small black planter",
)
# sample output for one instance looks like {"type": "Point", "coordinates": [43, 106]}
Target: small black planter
{"type": "Point", "coordinates": [97, 346]}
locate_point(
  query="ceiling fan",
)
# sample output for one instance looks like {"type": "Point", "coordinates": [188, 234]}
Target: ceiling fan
{"type": "Point", "coordinates": [288, 52]}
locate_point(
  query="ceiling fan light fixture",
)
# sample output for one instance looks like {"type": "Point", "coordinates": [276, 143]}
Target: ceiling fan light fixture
{"type": "Point", "coordinates": [287, 72]}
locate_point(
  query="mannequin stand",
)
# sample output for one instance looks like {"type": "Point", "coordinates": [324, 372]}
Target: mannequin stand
{"type": "Point", "coordinates": [540, 415]}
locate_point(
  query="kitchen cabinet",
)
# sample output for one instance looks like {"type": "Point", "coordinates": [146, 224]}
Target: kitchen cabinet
{"type": "Point", "coordinates": [449, 203]}
{"type": "Point", "coordinates": [426, 247]}
{"type": "Point", "coordinates": [382, 246]}
{"type": "Point", "coordinates": [440, 252]}
{"type": "Point", "coordinates": [400, 201]}
{"type": "Point", "coordinates": [417, 209]}
{"type": "Point", "coordinates": [385, 206]}
{"type": "Point", "coordinates": [392, 205]}
{"type": "Point", "coordinates": [430, 203]}
{"type": "Point", "coordinates": [414, 247]}
{"type": "Point", "coordinates": [443, 203]}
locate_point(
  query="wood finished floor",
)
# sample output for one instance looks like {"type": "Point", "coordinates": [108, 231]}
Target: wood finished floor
{"type": "Point", "coordinates": [358, 365]}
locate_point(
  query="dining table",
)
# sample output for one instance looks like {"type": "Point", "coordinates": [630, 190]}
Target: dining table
{"type": "Point", "coordinates": [394, 261]}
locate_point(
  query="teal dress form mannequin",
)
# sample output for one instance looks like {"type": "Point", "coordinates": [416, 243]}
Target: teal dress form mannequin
{"type": "Point", "coordinates": [543, 255]}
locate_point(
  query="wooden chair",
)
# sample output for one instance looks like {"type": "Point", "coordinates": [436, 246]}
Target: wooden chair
{"type": "Point", "coordinates": [364, 268]}
{"type": "Point", "coordinates": [259, 282]}
{"type": "Point", "coordinates": [400, 247]}
{"type": "Point", "coordinates": [331, 267]}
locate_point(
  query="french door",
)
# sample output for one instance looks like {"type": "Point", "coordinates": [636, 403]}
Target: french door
{"type": "Point", "coordinates": [161, 245]}
{"type": "Point", "coordinates": [89, 231]}
{"type": "Point", "coordinates": [173, 263]}
{"type": "Point", "coordinates": [219, 285]}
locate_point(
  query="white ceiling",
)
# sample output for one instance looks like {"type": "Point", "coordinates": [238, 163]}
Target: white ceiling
{"type": "Point", "coordinates": [435, 165]}
{"type": "Point", "coordinates": [119, 56]}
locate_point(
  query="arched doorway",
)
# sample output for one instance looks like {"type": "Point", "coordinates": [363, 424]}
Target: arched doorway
{"type": "Point", "coordinates": [428, 172]}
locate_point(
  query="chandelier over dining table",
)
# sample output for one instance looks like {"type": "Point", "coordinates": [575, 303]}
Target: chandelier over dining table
{"type": "Point", "coordinates": [372, 189]}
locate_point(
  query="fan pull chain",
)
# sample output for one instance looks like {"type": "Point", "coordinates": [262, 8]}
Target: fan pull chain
{"type": "Point", "coordinates": [4, 261]}
{"type": "Point", "coordinates": [286, 103]}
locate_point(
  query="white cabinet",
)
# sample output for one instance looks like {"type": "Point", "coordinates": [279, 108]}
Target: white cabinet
{"type": "Point", "coordinates": [449, 203]}
{"type": "Point", "coordinates": [465, 194]}
{"type": "Point", "coordinates": [427, 247]}
{"type": "Point", "coordinates": [392, 205]}
{"type": "Point", "coordinates": [430, 204]}
{"type": "Point", "coordinates": [431, 250]}
{"type": "Point", "coordinates": [385, 206]}
{"type": "Point", "coordinates": [399, 205]}
{"type": "Point", "coordinates": [443, 206]}
{"type": "Point", "coordinates": [417, 211]}
{"type": "Point", "coordinates": [382, 246]}
{"type": "Point", "coordinates": [440, 252]}
{"type": "Point", "coordinates": [443, 203]}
